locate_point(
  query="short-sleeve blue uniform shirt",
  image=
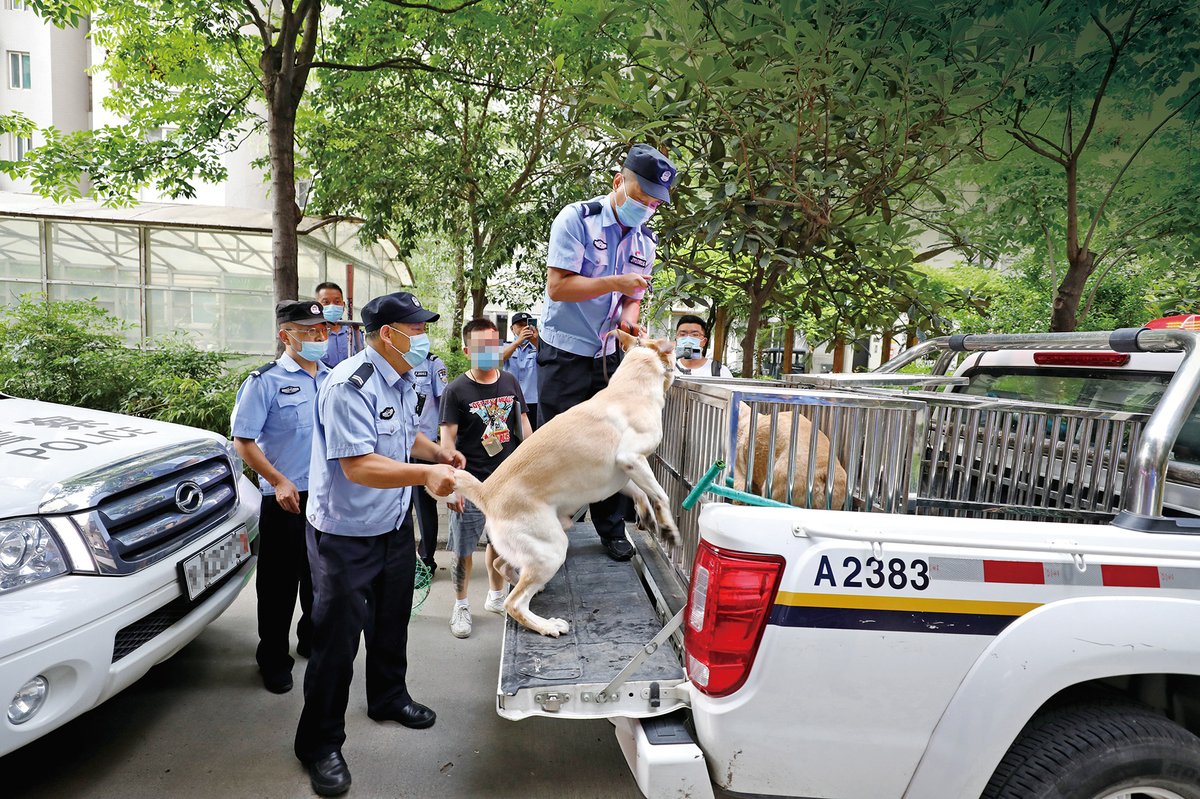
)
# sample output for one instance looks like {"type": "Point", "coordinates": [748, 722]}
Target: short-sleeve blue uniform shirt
{"type": "Point", "coordinates": [381, 417]}
{"type": "Point", "coordinates": [275, 408]}
{"type": "Point", "coordinates": [430, 380]}
{"type": "Point", "coordinates": [592, 245]}
{"type": "Point", "coordinates": [523, 364]}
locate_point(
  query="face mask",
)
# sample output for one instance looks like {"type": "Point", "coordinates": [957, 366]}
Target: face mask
{"type": "Point", "coordinates": [488, 358]}
{"type": "Point", "coordinates": [418, 347]}
{"type": "Point", "coordinates": [687, 348]}
{"type": "Point", "coordinates": [311, 350]}
{"type": "Point", "coordinates": [632, 213]}
{"type": "Point", "coordinates": [333, 313]}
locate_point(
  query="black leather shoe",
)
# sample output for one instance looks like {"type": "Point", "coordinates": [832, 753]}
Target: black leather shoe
{"type": "Point", "coordinates": [277, 682]}
{"type": "Point", "coordinates": [618, 548]}
{"type": "Point", "coordinates": [413, 715]}
{"type": "Point", "coordinates": [329, 775]}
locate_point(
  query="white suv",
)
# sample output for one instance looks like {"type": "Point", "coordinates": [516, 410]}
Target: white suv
{"type": "Point", "coordinates": [120, 540]}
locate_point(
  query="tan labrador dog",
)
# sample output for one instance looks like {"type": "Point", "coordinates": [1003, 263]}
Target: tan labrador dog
{"type": "Point", "coordinates": [779, 468]}
{"type": "Point", "coordinates": [592, 451]}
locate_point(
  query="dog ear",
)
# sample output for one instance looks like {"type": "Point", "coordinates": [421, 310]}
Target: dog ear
{"type": "Point", "coordinates": [627, 341]}
{"type": "Point", "coordinates": [663, 346]}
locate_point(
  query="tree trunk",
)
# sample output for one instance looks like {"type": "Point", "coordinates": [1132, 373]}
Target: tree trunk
{"type": "Point", "coordinates": [1064, 315]}
{"type": "Point", "coordinates": [281, 141]}
{"type": "Point", "coordinates": [885, 348]}
{"type": "Point", "coordinates": [478, 301]}
{"type": "Point", "coordinates": [720, 331]}
{"type": "Point", "coordinates": [839, 355]}
{"type": "Point", "coordinates": [789, 344]}
{"type": "Point", "coordinates": [750, 340]}
{"type": "Point", "coordinates": [460, 290]}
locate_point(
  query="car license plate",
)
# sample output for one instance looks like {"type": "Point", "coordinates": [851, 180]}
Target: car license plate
{"type": "Point", "coordinates": [209, 565]}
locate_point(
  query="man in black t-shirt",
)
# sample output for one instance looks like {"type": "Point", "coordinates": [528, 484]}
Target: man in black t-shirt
{"type": "Point", "coordinates": [484, 412]}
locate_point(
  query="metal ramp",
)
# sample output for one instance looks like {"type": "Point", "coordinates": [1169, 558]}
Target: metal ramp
{"type": "Point", "coordinates": [612, 619]}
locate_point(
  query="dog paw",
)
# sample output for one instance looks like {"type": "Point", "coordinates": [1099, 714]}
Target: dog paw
{"type": "Point", "coordinates": [671, 534]}
{"type": "Point", "coordinates": [555, 627]}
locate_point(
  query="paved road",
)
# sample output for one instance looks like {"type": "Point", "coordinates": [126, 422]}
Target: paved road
{"type": "Point", "coordinates": [201, 725]}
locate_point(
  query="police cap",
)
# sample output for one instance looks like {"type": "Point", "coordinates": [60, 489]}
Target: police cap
{"type": "Point", "coordinates": [299, 312]}
{"type": "Point", "coordinates": [655, 172]}
{"type": "Point", "coordinates": [521, 318]}
{"type": "Point", "coordinates": [398, 307]}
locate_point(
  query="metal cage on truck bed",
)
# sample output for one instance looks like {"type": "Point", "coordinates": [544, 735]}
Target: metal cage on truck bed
{"type": "Point", "coordinates": [907, 447]}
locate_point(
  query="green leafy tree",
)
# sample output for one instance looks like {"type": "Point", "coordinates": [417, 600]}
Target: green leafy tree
{"type": "Point", "coordinates": [1105, 111]}
{"type": "Point", "coordinates": [808, 134]}
{"type": "Point", "coordinates": [481, 153]}
{"type": "Point", "coordinates": [209, 73]}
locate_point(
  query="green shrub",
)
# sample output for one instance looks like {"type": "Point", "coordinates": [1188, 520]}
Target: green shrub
{"type": "Point", "coordinates": [74, 353]}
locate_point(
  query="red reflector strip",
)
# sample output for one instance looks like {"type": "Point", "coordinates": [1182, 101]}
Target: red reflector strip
{"type": "Point", "coordinates": [1014, 571]}
{"type": "Point", "coordinates": [1081, 358]}
{"type": "Point", "coordinates": [1130, 576]}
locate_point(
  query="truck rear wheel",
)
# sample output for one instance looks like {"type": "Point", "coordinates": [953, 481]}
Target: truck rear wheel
{"type": "Point", "coordinates": [1099, 750]}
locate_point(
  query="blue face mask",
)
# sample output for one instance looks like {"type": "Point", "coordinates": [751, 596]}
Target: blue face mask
{"type": "Point", "coordinates": [687, 348]}
{"type": "Point", "coordinates": [418, 347]}
{"type": "Point", "coordinates": [333, 313]}
{"type": "Point", "coordinates": [488, 358]}
{"type": "Point", "coordinates": [632, 213]}
{"type": "Point", "coordinates": [311, 350]}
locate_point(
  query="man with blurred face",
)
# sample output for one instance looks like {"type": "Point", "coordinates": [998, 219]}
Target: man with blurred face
{"type": "Point", "coordinates": [599, 262]}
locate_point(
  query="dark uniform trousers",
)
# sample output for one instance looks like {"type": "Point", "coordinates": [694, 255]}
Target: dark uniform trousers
{"type": "Point", "coordinates": [282, 573]}
{"type": "Point", "coordinates": [362, 585]}
{"type": "Point", "coordinates": [565, 380]}
{"type": "Point", "coordinates": [426, 510]}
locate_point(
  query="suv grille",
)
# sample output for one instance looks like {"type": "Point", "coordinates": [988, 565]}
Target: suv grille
{"type": "Point", "coordinates": [155, 516]}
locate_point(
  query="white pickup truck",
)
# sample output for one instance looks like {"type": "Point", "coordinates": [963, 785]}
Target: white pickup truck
{"type": "Point", "coordinates": [1003, 607]}
{"type": "Point", "coordinates": [120, 540]}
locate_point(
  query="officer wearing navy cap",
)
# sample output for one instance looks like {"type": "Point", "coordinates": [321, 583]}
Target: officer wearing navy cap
{"type": "Point", "coordinates": [272, 425]}
{"type": "Point", "coordinates": [600, 258]}
{"type": "Point", "coordinates": [360, 532]}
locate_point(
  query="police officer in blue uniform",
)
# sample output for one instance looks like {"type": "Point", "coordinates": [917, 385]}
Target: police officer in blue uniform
{"type": "Point", "coordinates": [360, 533]}
{"type": "Point", "coordinates": [430, 380]}
{"type": "Point", "coordinates": [272, 425]}
{"type": "Point", "coordinates": [600, 259]}
{"type": "Point", "coordinates": [520, 358]}
{"type": "Point", "coordinates": [344, 339]}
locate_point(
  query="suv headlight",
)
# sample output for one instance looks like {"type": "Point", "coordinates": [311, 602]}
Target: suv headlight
{"type": "Point", "coordinates": [28, 554]}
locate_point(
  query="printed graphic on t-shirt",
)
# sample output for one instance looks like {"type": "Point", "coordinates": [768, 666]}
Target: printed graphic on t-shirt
{"type": "Point", "coordinates": [494, 413]}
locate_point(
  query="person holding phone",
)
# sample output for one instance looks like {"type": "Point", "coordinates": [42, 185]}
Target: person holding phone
{"type": "Point", "coordinates": [520, 358]}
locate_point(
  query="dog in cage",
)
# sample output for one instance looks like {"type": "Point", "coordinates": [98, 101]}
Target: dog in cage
{"type": "Point", "coordinates": [806, 438]}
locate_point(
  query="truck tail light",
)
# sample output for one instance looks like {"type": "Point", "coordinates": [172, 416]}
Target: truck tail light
{"type": "Point", "coordinates": [731, 598]}
{"type": "Point", "coordinates": [1081, 358]}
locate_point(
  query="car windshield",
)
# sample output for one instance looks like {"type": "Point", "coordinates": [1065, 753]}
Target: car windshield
{"type": "Point", "coordinates": [1137, 392]}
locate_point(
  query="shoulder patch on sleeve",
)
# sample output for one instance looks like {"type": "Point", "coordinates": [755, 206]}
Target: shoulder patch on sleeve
{"type": "Point", "coordinates": [590, 208]}
{"type": "Point", "coordinates": [650, 234]}
{"type": "Point", "coordinates": [361, 375]}
{"type": "Point", "coordinates": [266, 367]}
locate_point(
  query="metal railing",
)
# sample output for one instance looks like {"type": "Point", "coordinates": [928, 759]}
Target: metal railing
{"type": "Point", "coordinates": [906, 449]}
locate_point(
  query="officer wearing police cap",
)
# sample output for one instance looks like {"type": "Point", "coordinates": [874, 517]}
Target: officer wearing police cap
{"type": "Point", "coordinates": [272, 424]}
{"type": "Point", "coordinates": [600, 258]}
{"type": "Point", "coordinates": [360, 532]}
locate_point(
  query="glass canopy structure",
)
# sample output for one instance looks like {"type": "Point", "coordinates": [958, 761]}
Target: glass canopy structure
{"type": "Point", "coordinates": [169, 268]}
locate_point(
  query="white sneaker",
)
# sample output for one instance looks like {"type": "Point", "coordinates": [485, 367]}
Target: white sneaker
{"type": "Point", "coordinates": [495, 604]}
{"type": "Point", "coordinates": [460, 621]}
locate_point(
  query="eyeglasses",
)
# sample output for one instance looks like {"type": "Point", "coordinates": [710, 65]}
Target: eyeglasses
{"type": "Point", "coordinates": [313, 333]}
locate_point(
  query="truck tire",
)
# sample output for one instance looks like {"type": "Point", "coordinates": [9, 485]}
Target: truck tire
{"type": "Point", "coordinates": [1099, 750]}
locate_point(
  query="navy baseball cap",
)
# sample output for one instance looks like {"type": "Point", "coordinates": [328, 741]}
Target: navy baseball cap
{"type": "Point", "coordinates": [654, 171]}
{"type": "Point", "coordinates": [399, 307]}
{"type": "Point", "coordinates": [300, 312]}
{"type": "Point", "coordinates": [521, 318]}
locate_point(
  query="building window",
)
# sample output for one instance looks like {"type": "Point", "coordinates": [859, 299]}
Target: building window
{"type": "Point", "coordinates": [18, 70]}
{"type": "Point", "coordinates": [21, 145]}
{"type": "Point", "coordinates": [16, 5]}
